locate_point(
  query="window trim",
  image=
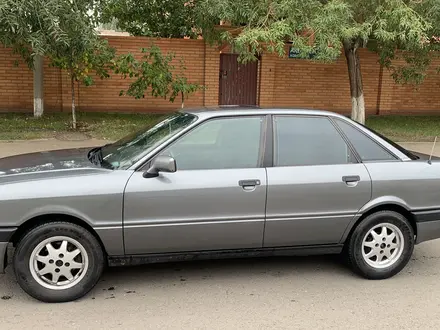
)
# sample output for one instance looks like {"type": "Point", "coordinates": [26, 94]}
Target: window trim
{"type": "Point", "coordinates": [269, 143]}
{"type": "Point", "coordinates": [343, 137]}
{"type": "Point", "coordinates": [262, 143]}
{"type": "Point", "coordinates": [335, 120]}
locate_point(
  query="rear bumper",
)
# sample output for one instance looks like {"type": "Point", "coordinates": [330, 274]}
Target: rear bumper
{"type": "Point", "coordinates": [5, 236]}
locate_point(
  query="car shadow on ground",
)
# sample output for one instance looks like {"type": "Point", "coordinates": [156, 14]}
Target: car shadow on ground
{"type": "Point", "coordinates": [227, 269]}
{"type": "Point", "coordinates": [225, 273]}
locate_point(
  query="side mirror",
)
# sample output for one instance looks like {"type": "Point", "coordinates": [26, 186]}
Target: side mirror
{"type": "Point", "coordinates": [161, 164]}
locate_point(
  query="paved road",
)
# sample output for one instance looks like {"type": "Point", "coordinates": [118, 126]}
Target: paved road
{"type": "Point", "coordinates": [278, 293]}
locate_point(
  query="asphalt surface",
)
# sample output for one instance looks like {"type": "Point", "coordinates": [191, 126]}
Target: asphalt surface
{"type": "Point", "coordinates": [272, 293]}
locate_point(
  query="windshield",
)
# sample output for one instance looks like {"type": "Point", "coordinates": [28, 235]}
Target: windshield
{"type": "Point", "coordinates": [130, 149]}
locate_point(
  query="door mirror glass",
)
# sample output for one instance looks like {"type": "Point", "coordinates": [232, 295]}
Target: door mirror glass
{"type": "Point", "coordinates": [161, 164]}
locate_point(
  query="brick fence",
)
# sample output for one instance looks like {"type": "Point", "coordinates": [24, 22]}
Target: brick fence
{"type": "Point", "coordinates": [283, 82]}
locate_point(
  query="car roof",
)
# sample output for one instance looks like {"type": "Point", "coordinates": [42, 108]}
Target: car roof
{"type": "Point", "coordinates": [219, 111]}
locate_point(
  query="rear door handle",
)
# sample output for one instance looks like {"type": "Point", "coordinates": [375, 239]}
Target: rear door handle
{"type": "Point", "coordinates": [351, 180]}
{"type": "Point", "coordinates": [249, 183]}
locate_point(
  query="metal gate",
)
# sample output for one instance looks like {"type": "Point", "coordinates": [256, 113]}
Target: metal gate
{"type": "Point", "coordinates": [238, 82]}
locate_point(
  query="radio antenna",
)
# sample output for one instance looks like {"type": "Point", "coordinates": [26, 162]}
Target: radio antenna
{"type": "Point", "coordinates": [432, 151]}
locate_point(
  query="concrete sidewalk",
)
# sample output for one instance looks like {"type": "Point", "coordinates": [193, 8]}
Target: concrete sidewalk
{"type": "Point", "coordinates": [422, 147]}
{"type": "Point", "coordinates": [20, 147]}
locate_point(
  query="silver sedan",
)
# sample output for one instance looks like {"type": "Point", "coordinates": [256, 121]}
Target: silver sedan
{"type": "Point", "coordinates": [216, 184]}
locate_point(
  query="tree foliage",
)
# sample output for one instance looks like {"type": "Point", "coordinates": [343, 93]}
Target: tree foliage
{"type": "Point", "coordinates": [154, 74]}
{"type": "Point", "coordinates": [30, 27]}
{"type": "Point", "coordinates": [152, 18]}
{"type": "Point", "coordinates": [322, 26]}
{"type": "Point", "coordinates": [399, 31]}
{"type": "Point", "coordinates": [83, 54]}
{"type": "Point", "coordinates": [63, 31]}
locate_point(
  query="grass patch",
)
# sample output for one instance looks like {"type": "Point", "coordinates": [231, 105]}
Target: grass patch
{"type": "Point", "coordinates": [106, 126]}
{"type": "Point", "coordinates": [406, 128]}
{"type": "Point", "coordinates": [112, 126]}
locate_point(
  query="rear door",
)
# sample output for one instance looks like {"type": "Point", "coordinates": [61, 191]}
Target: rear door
{"type": "Point", "coordinates": [316, 184]}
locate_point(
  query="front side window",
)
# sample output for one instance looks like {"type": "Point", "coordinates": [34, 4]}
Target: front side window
{"type": "Point", "coordinates": [224, 143]}
{"type": "Point", "coordinates": [367, 149]}
{"type": "Point", "coordinates": [129, 150]}
{"type": "Point", "coordinates": [301, 141]}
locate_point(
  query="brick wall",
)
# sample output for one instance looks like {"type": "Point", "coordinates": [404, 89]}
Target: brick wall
{"type": "Point", "coordinates": [104, 94]}
{"type": "Point", "coordinates": [283, 82]}
{"type": "Point", "coordinates": [306, 84]}
{"type": "Point", "coordinates": [15, 84]}
{"type": "Point", "coordinates": [423, 99]}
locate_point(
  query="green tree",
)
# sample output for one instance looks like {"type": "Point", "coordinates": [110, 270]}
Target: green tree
{"type": "Point", "coordinates": [64, 31]}
{"type": "Point", "coordinates": [83, 54]}
{"type": "Point", "coordinates": [30, 27]}
{"type": "Point", "coordinates": [154, 74]}
{"type": "Point", "coordinates": [151, 18]}
{"type": "Point", "coordinates": [395, 29]}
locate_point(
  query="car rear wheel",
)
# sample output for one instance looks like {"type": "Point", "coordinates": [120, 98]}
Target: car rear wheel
{"type": "Point", "coordinates": [58, 262]}
{"type": "Point", "coordinates": [381, 246]}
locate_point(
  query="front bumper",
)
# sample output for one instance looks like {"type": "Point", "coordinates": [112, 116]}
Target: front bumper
{"type": "Point", "coordinates": [5, 236]}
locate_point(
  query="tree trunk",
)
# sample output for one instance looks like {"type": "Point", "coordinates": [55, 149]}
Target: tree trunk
{"type": "Point", "coordinates": [38, 86]}
{"type": "Point", "coordinates": [72, 82]}
{"type": "Point", "coordinates": [183, 101]}
{"type": "Point", "coordinates": [355, 76]}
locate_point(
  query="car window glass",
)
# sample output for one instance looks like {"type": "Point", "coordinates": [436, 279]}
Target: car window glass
{"type": "Point", "coordinates": [301, 141]}
{"type": "Point", "coordinates": [219, 144]}
{"type": "Point", "coordinates": [367, 149]}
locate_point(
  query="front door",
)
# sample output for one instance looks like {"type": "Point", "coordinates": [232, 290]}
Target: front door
{"type": "Point", "coordinates": [316, 185]}
{"type": "Point", "coordinates": [215, 200]}
{"type": "Point", "coordinates": [238, 82]}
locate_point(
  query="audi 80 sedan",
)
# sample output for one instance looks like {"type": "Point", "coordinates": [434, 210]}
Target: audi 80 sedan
{"type": "Point", "coordinates": [216, 184]}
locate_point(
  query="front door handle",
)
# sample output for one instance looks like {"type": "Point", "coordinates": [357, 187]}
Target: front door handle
{"type": "Point", "coordinates": [249, 183]}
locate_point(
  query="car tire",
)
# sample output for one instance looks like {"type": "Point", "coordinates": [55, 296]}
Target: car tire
{"type": "Point", "coordinates": [59, 249]}
{"type": "Point", "coordinates": [377, 253]}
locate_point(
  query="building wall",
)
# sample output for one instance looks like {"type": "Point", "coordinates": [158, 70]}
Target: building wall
{"type": "Point", "coordinates": [283, 82]}
{"type": "Point", "coordinates": [425, 98]}
{"type": "Point", "coordinates": [15, 84]}
{"type": "Point", "coordinates": [104, 94]}
{"type": "Point", "coordinates": [305, 84]}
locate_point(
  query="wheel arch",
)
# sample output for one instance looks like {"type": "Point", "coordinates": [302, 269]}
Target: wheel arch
{"type": "Point", "coordinates": [382, 207]}
{"type": "Point", "coordinates": [35, 221]}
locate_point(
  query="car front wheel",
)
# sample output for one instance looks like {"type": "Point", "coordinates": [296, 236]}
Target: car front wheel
{"type": "Point", "coordinates": [58, 262]}
{"type": "Point", "coordinates": [381, 246]}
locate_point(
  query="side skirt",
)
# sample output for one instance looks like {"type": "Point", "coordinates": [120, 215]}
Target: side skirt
{"type": "Point", "coordinates": [135, 260]}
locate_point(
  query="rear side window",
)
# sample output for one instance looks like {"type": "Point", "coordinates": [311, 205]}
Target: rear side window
{"type": "Point", "coordinates": [305, 141]}
{"type": "Point", "coordinates": [367, 149]}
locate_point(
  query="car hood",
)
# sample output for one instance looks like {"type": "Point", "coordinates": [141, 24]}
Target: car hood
{"type": "Point", "coordinates": [46, 161]}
